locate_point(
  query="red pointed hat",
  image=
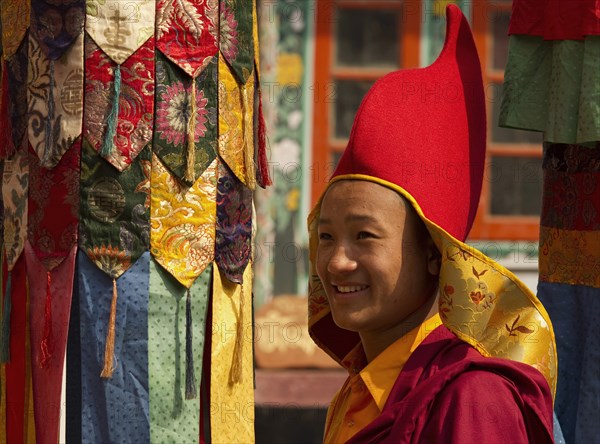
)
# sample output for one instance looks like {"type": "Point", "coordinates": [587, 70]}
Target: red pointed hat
{"type": "Point", "coordinates": [425, 131]}
{"type": "Point", "coordinates": [421, 133]}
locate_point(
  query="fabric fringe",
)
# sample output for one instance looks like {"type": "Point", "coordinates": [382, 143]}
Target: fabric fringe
{"type": "Point", "coordinates": [47, 344]}
{"type": "Point", "coordinates": [109, 349]}
{"type": "Point", "coordinates": [7, 147]}
{"type": "Point", "coordinates": [235, 374]}
{"type": "Point", "coordinates": [263, 162]}
{"type": "Point", "coordinates": [113, 117]}
{"type": "Point", "coordinates": [190, 377]}
{"type": "Point", "coordinates": [5, 349]}
{"type": "Point", "coordinates": [248, 147]}
{"type": "Point", "coordinates": [190, 173]}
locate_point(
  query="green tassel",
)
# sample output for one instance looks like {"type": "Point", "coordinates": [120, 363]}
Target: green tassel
{"type": "Point", "coordinates": [5, 350]}
{"type": "Point", "coordinates": [111, 124]}
{"type": "Point", "coordinates": [190, 377]}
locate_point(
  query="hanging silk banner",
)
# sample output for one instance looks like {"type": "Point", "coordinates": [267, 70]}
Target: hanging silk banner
{"type": "Point", "coordinates": [114, 228]}
{"type": "Point", "coordinates": [16, 97]}
{"type": "Point", "coordinates": [183, 222]}
{"type": "Point", "coordinates": [56, 25]}
{"type": "Point", "coordinates": [114, 410]}
{"type": "Point", "coordinates": [15, 184]}
{"type": "Point", "coordinates": [186, 32]}
{"type": "Point", "coordinates": [237, 37]}
{"type": "Point", "coordinates": [236, 130]}
{"type": "Point", "coordinates": [6, 142]}
{"type": "Point", "coordinates": [176, 335]}
{"type": "Point", "coordinates": [53, 207]}
{"type": "Point", "coordinates": [173, 111]}
{"type": "Point", "coordinates": [15, 21]}
{"type": "Point", "coordinates": [120, 27]}
{"type": "Point", "coordinates": [55, 97]}
{"type": "Point", "coordinates": [47, 376]}
{"type": "Point", "coordinates": [231, 379]}
{"type": "Point", "coordinates": [119, 103]}
{"type": "Point", "coordinates": [234, 225]}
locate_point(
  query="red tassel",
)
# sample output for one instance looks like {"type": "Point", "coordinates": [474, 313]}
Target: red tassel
{"type": "Point", "coordinates": [263, 163]}
{"type": "Point", "coordinates": [7, 148]}
{"type": "Point", "coordinates": [47, 345]}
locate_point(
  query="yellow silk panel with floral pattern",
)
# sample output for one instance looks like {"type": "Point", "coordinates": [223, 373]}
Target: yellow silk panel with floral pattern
{"type": "Point", "coordinates": [120, 27]}
{"type": "Point", "coordinates": [15, 21]}
{"type": "Point", "coordinates": [236, 138]}
{"type": "Point", "coordinates": [182, 222]}
{"type": "Point", "coordinates": [231, 374]}
{"type": "Point", "coordinates": [481, 302]}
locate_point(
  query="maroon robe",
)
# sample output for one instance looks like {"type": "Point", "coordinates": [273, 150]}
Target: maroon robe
{"type": "Point", "coordinates": [449, 393]}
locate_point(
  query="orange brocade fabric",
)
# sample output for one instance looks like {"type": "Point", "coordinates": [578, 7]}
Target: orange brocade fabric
{"type": "Point", "coordinates": [364, 394]}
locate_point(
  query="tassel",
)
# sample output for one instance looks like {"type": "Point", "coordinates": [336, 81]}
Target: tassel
{"type": "Point", "coordinates": [5, 350]}
{"type": "Point", "coordinates": [248, 147]}
{"type": "Point", "coordinates": [47, 345]}
{"type": "Point", "coordinates": [190, 173]}
{"type": "Point", "coordinates": [263, 163]}
{"type": "Point", "coordinates": [235, 374]}
{"type": "Point", "coordinates": [7, 147]}
{"type": "Point", "coordinates": [190, 377]}
{"type": "Point", "coordinates": [109, 349]}
{"type": "Point", "coordinates": [113, 117]}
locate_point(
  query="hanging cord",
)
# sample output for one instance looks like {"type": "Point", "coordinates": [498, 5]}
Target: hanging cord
{"type": "Point", "coordinates": [48, 135]}
{"type": "Point", "coordinates": [235, 374]}
{"type": "Point", "coordinates": [190, 173]}
{"type": "Point", "coordinates": [190, 377]}
{"type": "Point", "coordinates": [109, 349]}
{"type": "Point", "coordinates": [47, 344]}
{"type": "Point", "coordinates": [113, 116]}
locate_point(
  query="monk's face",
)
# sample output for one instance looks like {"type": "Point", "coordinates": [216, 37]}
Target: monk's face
{"type": "Point", "coordinates": [373, 257]}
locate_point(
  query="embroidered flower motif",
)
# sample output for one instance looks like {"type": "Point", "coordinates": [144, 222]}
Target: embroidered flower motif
{"type": "Point", "coordinates": [477, 297]}
{"type": "Point", "coordinates": [173, 114]}
{"type": "Point", "coordinates": [111, 260]}
{"type": "Point", "coordinates": [229, 41]}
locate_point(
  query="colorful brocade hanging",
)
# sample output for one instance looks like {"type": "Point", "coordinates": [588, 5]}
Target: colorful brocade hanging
{"type": "Point", "coordinates": [15, 21]}
{"type": "Point", "coordinates": [119, 102]}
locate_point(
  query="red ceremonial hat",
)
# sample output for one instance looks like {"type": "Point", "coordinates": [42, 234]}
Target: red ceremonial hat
{"type": "Point", "coordinates": [425, 131]}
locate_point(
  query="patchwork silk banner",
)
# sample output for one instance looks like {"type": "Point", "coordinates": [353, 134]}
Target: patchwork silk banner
{"type": "Point", "coordinates": [119, 102]}
{"type": "Point", "coordinates": [53, 207]}
{"type": "Point", "coordinates": [56, 26]}
{"type": "Point", "coordinates": [115, 409]}
{"type": "Point", "coordinates": [173, 111]}
{"type": "Point", "coordinates": [231, 379]}
{"type": "Point", "coordinates": [234, 225]}
{"type": "Point", "coordinates": [55, 101]}
{"type": "Point", "coordinates": [236, 131]}
{"type": "Point", "coordinates": [237, 37]}
{"type": "Point", "coordinates": [47, 378]}
{"type": "Point", "coordinates": [173, 354]}
{"type": "Point", "coordinates": [186, 32]}
{"type": "Point", "coordinates": [183, 222]}
{"type": "Point", "coordinates": [15, 21]}
{"type": "Point", "coordinates": [6, 142]}
{"type": "Point", "coordinates": [114, 227]}
{"type": "Point", "coordinates": [120, 27]}
{"type": "Point", "coordinates": [15, 185]}
{"type": "Point", "coordinates": [17, 96]}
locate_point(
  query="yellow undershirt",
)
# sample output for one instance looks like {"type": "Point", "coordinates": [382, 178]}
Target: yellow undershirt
{"type": "Point", "coordinates": [362, 397]}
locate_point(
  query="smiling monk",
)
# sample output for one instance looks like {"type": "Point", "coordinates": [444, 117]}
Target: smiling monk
{"type": "Point", "coordinates": [442, 344]}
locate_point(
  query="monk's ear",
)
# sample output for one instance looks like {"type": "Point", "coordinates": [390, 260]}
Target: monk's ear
{"type": "Point", "coordinates": [434, 258]}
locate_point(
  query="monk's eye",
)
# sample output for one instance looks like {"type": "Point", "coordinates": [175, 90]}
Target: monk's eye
{"type": "Point", "coordinates": [325, 236]}
{"type": "Point", "coordinates": [365, 235]}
